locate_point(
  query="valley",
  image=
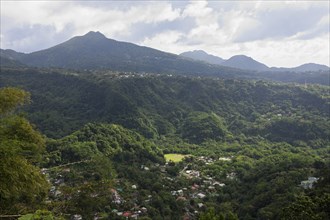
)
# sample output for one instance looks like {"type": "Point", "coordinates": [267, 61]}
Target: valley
{"type": "Point", "coordinates": [249, 144]}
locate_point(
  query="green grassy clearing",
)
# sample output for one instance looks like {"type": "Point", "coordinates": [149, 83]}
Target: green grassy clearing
{"type": "Point", "coordinates": [174, 157]}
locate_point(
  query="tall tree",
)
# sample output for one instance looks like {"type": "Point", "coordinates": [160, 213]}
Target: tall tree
{"type": "Point", "coordinates": [22, 186]}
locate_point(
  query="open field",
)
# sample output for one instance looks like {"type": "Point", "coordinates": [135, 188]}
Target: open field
{"type": "Point", "coordinates": [174, 157]}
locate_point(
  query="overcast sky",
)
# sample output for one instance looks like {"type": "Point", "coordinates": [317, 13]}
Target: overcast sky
{"type": "Point", "coordinates": [278, 33]}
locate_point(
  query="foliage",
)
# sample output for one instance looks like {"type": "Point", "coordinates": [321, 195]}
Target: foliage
{"type": "Point", "coordinates": [255, 141]}
{"type": "Point", "coordinates": [21, 146]}
{"type": "Point", "coordinates": [40, 215]}
{"type": "Point", "coordinates": [199, 126]}
{"type": "Point", "coordinates": [11, 98]}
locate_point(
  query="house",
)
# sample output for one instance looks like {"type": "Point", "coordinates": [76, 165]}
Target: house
{"type": "Point", "coordinates": [219, 184]}
{"type": "Point", "coordinates": [76, 217]}
{"type": "Point", "coordinates": [201, 195]}
{"type": "Point", "coordinates": [195, 186]}
{"type": "Point", "coordinates": [225, 158]}
{"type": "Point", "coordinates": [192, 173]}
{"type": "Point", "coordinates": [116, 197]}
{"type": "Point", "coordinates": [178, 192]}
{"type": "Point", "coordinates": [127, 214]}
{"type": "Point", "coordinates": [134, 216]}
{"type": "Point", "coordinates": [181, 198]}
{"type": "Point", "coordinates": [231, 175]}
{"type": "Point", "coordinates": [308, 184]}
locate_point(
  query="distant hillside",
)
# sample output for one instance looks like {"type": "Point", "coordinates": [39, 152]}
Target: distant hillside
{"type": "Point", "coordinates": [238, 61]}
{"type": "Point", "coordinates": [11, 54]}
{"type": "Point", "coordinates": [245, 62]}
{"type": "Point", "coordinates": [203, 56]}
{"type": "Point", "coordinates": [11, 63]}
{"type": "Point", "coordinates": [152, 105]}
{"type": "Point", "coordinates": [304, 68]}
{"type": "Point", "coordinates": [94, 51]}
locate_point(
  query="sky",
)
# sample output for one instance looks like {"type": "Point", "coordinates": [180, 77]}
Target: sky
{"type": "Point", "coordinates": [276, 33]}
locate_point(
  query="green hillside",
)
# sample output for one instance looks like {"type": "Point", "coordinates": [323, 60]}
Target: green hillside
{"type": "Point", "coordinates": [248, 144]}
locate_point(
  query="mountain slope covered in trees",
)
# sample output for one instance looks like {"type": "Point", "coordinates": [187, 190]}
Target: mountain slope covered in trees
{"type": "Point", "coordinates": [247, 146]}
{"type": "Point", "coordinates": [158, 105]}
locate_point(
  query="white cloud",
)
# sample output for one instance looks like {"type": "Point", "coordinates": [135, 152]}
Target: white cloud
{"type": "Point", "coordinates": [83, 18]}
{"type": "Point", "coordinates": [286, 33]}
{"type": "Point", "coordinates": [166, 41]}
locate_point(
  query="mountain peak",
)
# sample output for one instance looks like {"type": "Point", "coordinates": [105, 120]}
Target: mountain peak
{"type": "Point", "coordinates": [240, 57]}
{"type": "Point", "coordinates": [245, 62]}
{"type": "Point", "coordinates": [199, 51]}
{"type": "Point", "coordinates": [94, 34]}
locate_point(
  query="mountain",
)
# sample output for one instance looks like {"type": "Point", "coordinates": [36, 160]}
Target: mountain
{"type": "Point", "coordinates": [11, 54]}
{"type": "Point", "coordinates": [245, 62]}
{"type": "Point", "coordinates": [8, 62]}
{"type": "Point", "coordinates": [308, 67]}
{"type": "Point", "coordinates": [94, 51]}
{"type": "Point", "coordinates": [238, 61]}
{"type": "Point", "coordinates": [311, 67]}
{"type": "Point", "coordinates": [203, 56]}
{"type": "Point", "coordinates": [104, 165]}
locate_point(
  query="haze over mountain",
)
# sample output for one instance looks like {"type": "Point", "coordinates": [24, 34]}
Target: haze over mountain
{"type": "Point", "coordinates": [238, 61]}
{"type": "Point", "coordinates": [203, 56]}
{"type": "Point", "coordinates": [303, 68]}
{"type": "Point", "coordinates": [94, 51]}
{"type": "Point", "coordinates": [248, 63]}
{"type": "Point", "coordinates": [245, 62]}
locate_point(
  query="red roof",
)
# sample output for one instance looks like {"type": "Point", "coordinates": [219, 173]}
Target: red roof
{"type": "Point", "coordinates": [127, 214]}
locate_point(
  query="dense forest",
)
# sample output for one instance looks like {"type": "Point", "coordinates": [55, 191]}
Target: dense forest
{"type": "Point", "coordinates": [92, 145]}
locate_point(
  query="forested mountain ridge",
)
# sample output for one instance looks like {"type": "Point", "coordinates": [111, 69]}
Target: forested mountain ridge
{"type": "Point", "coordinates": [248, 145]}
{"type": "Point", "coordinates": [94, 51]}
{"type": "Point", "coordinates": [248, 63]}
{"type": "Point", "coordinates": [159, 105]}
{"type": "Point", "coordinates": [244, 62]}
{"type": "Point", "coordinates": [304, 68]}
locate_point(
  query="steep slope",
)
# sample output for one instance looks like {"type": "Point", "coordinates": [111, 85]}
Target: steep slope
{"type": "Point", "coordinates": [160, 105]}
{"type": "Point", "coordinates": [245, 62]}
{"type": "Point", "coordinates": [203, 56]}
{"type": "Point", "coordinates": [95, 51]}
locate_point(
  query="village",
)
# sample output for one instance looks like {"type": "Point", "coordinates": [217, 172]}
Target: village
{"type": "Point", "coordinates": [128, 201]}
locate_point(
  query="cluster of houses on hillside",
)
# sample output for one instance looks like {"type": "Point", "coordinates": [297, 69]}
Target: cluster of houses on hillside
{"type": "Point", "coordinates": [197, 187]}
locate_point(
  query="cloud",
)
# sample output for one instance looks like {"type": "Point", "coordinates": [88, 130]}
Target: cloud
{"type": "Point", "coordinates": [166, 41]}
{"type": "Point", "coordinates": [62, 16]}
{"type": "Point", "coordinates": [284, 20]}
{"type": "Point", "coordinates": [279, 33]}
